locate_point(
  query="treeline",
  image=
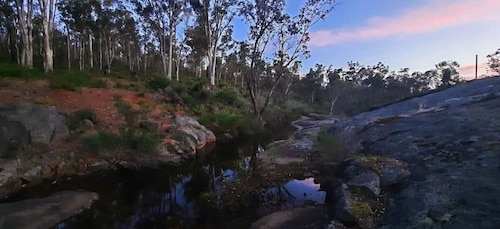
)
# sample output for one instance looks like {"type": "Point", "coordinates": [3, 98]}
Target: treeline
{"type": "Point", "coordinates": [182, 38]}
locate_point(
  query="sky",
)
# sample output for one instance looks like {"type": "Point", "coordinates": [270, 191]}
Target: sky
{"type": "Point", "coordinates": [416, 34]}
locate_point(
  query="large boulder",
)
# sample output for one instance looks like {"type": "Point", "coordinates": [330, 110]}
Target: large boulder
{"type": "Point", "coordinates": [187, 135]}
{"type": "Point", "coordinates": [45, 212]}
{"type": "Point", "coordinates": [28, 124]}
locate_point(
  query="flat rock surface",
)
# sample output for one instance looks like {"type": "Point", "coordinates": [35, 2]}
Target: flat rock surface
{"type": "Point", "coordinates": [297, 218]}
{"type": "Point", "coordinates": [45, 212]}
{"type": "Point", "coordinates": [451, 142]}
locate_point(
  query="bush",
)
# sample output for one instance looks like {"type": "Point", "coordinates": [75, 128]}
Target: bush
{"type": "Point", "coordinates": [144, 143]}
{"type": "Point", "coordinates": [18, 71]}
{"type": "Point", "coordinates": [69, 80]}
{"type": "Point", "coordinates": [228, 97]}
{"type": "Point", "coordinates": [102, 141]}
{"type": "Point", "coordinates": [158, 82]}
{"type": "Point", "coordinates": [81, 115]}
{"type": "Point", "coordinates": [228, 121]}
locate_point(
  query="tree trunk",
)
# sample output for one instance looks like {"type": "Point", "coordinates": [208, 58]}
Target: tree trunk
{"type": "Point", "coordinates": [25, 15]}
{"type": "Point", "coordinates": [80, 57]}
{"type": "Point", "coordinates": [100, 51]}
{"type": "Point", "coordinates": [171, 45]}
{"type": "Point", "coordinates": [91, 52]}
{"type": "Point", "coordinates": [177, 67]}
{"type": "Point", "coordinates": [68, 45]}
{"type": "Point", "coordinates": [47, 8]}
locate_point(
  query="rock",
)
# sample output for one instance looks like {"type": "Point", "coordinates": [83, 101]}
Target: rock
{"type": "Point", "coordinates": [25, 124]}
{"type": "Point", "coordinates": [393, 174]}
{"type": "Point", "coordinates": [433, 138]}
{"type": "Point", "coordinates": [187, 135]}
{"type": "Point", "coordinates": [44, 212]}
{"type": "Point", "coordinates": [368, 182]}
{"type": "Point", "coordinates": [86, 124]}
{"type": "Point", "coordinates": [297, 218]}
{"type": "Point", "coordinates": [344, 204]}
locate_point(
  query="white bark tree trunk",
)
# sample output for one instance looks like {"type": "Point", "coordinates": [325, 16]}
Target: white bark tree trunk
{"type": "Point", "coordinates": [91, 52]}
{"type": "Point", "coordinates": [24, 10]}
{"type": "Point", "coordinates": [68, 44]}
{"type": "Point", "coordinates": [47, 8]}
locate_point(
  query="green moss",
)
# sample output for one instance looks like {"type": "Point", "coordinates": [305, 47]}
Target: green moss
{"type": "Point", "coordinates": [361, 209]}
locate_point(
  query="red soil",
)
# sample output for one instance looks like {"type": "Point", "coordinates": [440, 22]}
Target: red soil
{"type": "Point", "coordinates": [101, 101]}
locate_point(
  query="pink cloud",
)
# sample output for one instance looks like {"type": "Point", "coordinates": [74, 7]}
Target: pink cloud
{"type": "Point", "coordinates": [468, 72]}
{"type": "Point", "coordinates": [436, 15]}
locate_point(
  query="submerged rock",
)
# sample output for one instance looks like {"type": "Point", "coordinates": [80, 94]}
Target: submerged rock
{"type": "Point", "coordinates": [45, 212]}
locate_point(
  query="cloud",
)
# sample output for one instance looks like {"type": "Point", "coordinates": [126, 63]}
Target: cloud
{"type": "Point", "coordinates": [433, 16]}
{"type": "Point", "coordinates": [468, 72]}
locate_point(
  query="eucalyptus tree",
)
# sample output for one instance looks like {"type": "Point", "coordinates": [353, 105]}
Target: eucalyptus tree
{"type": "Point", "coordinates": [47, 9]}
{"type": "Point", "coordinates": [448, 72]}
{"type": "Point", "coordinates": [162, 18]}
{"type": "Point", "coordinates": [286, 36]}
{"type": "Point", "coordinates": [8, 32]}
{"type": "Point", "coordinates": [25, 14]}
{"type": "Point", "coordinates": [494, 61]}
{"type": "Point", "coordinates": [216, 18]}
{"type": "Point", "coordinates": [78, 15]}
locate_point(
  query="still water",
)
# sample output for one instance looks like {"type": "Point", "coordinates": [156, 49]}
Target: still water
{"type": "Point", "coordinates": [170, 197]}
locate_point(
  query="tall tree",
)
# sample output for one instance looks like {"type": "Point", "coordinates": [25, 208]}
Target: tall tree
{"type": "Point", "coordinates": [270, 24]}
{"type": "Point", "coordinates": [25, 9]}
{"type": "Point", "coordinates": [216, 17]}
{"type": "Point", "coordinates": [494, 61]}
{"type": "Point", "coordinates": [447, 70]}
{"type": "Point", "coordinates": [47, 8]}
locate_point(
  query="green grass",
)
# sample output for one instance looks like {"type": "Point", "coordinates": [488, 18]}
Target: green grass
{"type": "Point", "coordinates": [102, 141]}
{"type": "Point", "coordinates": [11, 70]}
{"type": "Point", "coordinates": [72, 80]}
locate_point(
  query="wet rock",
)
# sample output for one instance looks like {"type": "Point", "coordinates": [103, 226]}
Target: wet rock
{"type": "Point", "coordinates": [297, 218]}
{"type": "Point", "coordinates": [368, 182]}
{"type": "Point", "coordinates": [344, 204]}
{"type": "Point", "coordinates": [25, 124]}
{"type": "Point", "coordinates": [44, 212]}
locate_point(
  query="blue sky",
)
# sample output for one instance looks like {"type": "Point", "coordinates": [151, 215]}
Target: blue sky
{"type": "Point", "coordinates": [406, 33]}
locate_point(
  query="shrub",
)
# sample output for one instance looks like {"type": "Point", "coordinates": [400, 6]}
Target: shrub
{"type": "Point", "coordinates": [223, 121]}
{"type": "Point", "coordinates": [75, 118]}
{"type": "Point", "coordinates": [158, 82]}
{"type": "Point", "coordinates": [228, 97]}
{"type": "Point", "coordinates": [70, 80]}
{"type": "Point", "coordinates": [144, 143]}
{"type": "Point", "coordinates": [102, 141]}
{"type": "Point", "coordinates": [18, 71]}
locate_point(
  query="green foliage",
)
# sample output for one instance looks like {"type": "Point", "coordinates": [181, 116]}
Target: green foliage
{"type": "Point", "coordinates": [361, 209]}
{"type": "Point", "coordinates": [228, 97]}
{"type": "Point", "coordinates": [158, 82]}
{"type": "Point", "coordinates": [72, 80]}
{"type": "Point", "coordinates": [329, 148]}
{"type": "Point", "coordinates": [222, 121]}
{"type": "Point", "coordinates": [18, 71]}
{"type": "Point", "coordinates": [81, 115]}
{"type": "Point", "coordinates": [102, 141]}
{"type": "Point", "coordinates": [143, 142]}
{"type": "Point", "coordinates": [133, 136]}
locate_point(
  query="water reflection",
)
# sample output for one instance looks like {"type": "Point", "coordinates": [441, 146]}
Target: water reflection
{"type": "Point", "coordinates": [169, 197]}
